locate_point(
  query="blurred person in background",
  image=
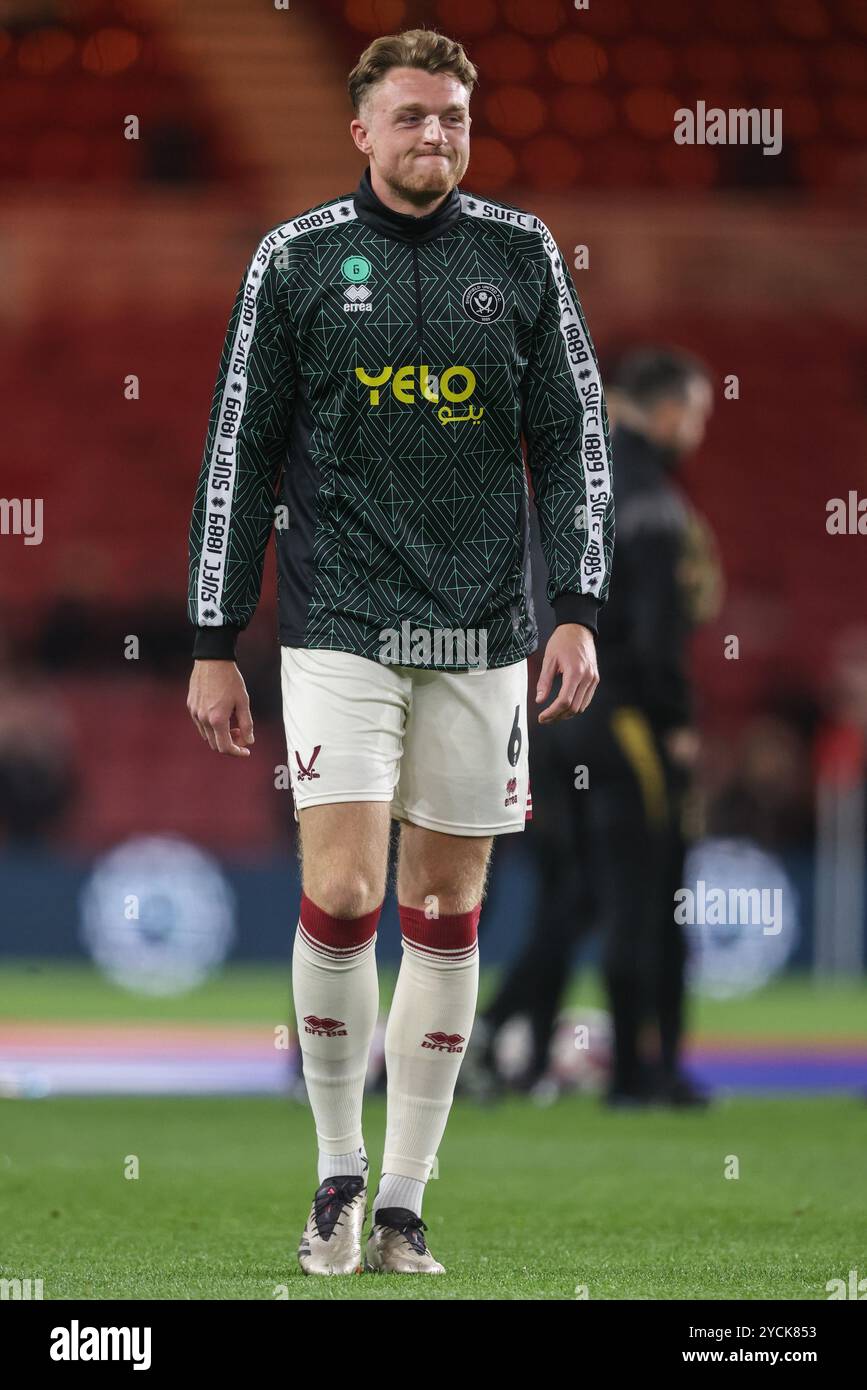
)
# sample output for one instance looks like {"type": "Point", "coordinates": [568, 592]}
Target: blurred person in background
{"type": "Point", "coordinates": [839, 764]}
{"type": "Point", "coordinates": [610, 788]}
{"type": "Point", "coordinates": [38, 779]}
{"type": "Point", "coordinates": [766, 789]}
{"type": "Point", "coordinates": [846, 692]}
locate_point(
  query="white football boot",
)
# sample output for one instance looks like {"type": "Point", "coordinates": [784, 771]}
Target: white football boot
{"type": "Point", "coordinates": [331, 1243]}
{"type": "Point", "coordinates": [396, 1244]}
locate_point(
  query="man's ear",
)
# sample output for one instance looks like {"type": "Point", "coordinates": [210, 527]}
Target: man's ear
{"type": "Point", "coordinates": [359, 134]}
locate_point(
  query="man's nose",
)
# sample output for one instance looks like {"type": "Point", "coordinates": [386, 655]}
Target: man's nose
{"type": "Point", "coordinates": [433, 131]}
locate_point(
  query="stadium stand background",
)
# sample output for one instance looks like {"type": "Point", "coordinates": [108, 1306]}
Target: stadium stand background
{"type": "Point", "coordinates": [122, 257]}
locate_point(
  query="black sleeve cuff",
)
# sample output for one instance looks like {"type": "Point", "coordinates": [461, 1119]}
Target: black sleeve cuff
{"type": "Point", "coordinates": [577, 608]}
{"type": "Point", "coordinates": [216, 643]}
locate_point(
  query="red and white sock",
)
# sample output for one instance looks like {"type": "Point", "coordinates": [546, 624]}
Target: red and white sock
{"type": "Point", "coordinates": [336, 994]}
{"type": "Point", "coordinates": [428, 1030]}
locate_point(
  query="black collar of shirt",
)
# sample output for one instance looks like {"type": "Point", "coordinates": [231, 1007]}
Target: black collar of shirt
{"type": "Point", "coordinates": [402, 226]}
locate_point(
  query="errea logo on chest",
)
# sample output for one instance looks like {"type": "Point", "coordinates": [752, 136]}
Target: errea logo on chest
{"type": "Point", "coordinates": [357, 298]}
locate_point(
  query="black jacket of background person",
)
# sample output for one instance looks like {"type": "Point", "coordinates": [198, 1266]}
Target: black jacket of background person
{"type": "Point", "coordinates": [642, 639]}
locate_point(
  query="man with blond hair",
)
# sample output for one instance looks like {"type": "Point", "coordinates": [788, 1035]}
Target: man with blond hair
{"type": "Point", "coordinates": [386, 351]}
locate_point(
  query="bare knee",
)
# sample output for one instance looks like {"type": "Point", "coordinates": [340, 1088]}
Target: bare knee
{"type": "Point", "coordinates": [343, 895]}
{"type": "Point", "coordinates": [445, 873]}
{"type": "Point", "coordinates": [344, 856]}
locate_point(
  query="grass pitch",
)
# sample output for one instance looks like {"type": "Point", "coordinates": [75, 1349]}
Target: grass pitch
{"type": "Point", "coordinates": [530, 1203]}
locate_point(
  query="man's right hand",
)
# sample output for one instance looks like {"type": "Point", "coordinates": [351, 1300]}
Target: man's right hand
{"type": "Point", "coordinates": [219, 707]}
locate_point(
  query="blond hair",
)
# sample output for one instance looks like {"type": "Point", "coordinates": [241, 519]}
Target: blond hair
{"type": "Point", "coordinates": [414, 48]}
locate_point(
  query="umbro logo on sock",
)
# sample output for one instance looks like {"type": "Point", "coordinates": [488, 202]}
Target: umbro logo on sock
{"type": "Point", "coordinates": [325, 1027]}
{"type": "Point", "coordinates": [443, 1042]}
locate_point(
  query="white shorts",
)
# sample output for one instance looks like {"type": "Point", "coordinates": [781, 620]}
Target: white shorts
{"type": "Point", "coordinates": [448, 749]}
